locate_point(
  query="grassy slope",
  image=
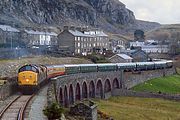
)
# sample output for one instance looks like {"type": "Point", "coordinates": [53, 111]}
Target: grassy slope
{"type": "Point", "coordinates": [170, 84]}
{"type": "Point", "coordinates": [132, 108]}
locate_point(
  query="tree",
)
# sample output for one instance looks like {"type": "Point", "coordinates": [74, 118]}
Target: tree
{"type": "Point", "coordinates": [174, 45]}
{"type": "Point", "coordinates": [139, 35]}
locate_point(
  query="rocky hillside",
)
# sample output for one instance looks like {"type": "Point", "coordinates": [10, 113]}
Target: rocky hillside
{"type": "Point", "coordinates": [111, 15]}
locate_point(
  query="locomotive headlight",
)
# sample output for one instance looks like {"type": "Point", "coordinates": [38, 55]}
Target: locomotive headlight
{"type": "Point", "coordinates": [27, 80]}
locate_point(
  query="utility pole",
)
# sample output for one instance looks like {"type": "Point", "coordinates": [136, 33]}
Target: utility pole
{"type": "Point", "coordinates": [11, 42]}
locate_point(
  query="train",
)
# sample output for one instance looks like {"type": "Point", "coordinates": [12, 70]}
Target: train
{"type": "Point", "coordinates": [31, 76]}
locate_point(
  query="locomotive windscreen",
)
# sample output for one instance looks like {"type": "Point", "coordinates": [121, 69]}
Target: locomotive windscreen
{"type": "Point", "coordinates": [28, 68]}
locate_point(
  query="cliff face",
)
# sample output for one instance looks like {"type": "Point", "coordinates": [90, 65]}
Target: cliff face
{"type": "Point", "coordinates": [111, 15]}
{"type": "Point", "coordinates": [113, 11]}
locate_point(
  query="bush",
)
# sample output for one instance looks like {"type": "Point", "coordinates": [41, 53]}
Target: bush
{"type": "Point", "coordinates": [97, 58]}
{"type": "Point", "coordinates": [53, 111]}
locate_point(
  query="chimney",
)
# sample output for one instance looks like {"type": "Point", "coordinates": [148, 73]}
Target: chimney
{"type": "Point", "coordinates": [85, 29]}
{"type": "Point", "coordinates": [66, 28]}
{"type": "Point", "coordinates": [79, 29]}
{"type": "Point", "coordinates": [72, 28]}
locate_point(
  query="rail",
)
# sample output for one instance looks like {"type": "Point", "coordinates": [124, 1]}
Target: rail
{"type": "Point", "coordinates": [18, 105]}
{"type": "Point", "coordinates": [22, 109]}
{"type": "Point", "coordinates": [5, 109]}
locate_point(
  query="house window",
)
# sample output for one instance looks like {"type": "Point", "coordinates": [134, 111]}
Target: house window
{"type": "Point", "coordinates": [97, 44]}
{"type": "Point", "coordinates": [78, 51]}
{"type": "Point", "coordinates": [78, 44]}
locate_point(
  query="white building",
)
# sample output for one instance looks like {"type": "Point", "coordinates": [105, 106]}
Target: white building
{"type": "Point", "coordinates": [41, 38]}
{"type": "Point", "coordinates": [155, 48]}
{"type": "Point", "coordinates": [151, 46]}
{"type": "Point", "coordinates": [136, 44]}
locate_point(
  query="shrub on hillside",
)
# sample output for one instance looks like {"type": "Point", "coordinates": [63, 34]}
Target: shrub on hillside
{"type": "Point", "coordinates": [53, 111]}
{"type": "Point", "coordinates": [97, 58]}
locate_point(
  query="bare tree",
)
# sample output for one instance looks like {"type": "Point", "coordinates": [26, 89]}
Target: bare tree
{"type": "Point", "coordinates": [174, 45]}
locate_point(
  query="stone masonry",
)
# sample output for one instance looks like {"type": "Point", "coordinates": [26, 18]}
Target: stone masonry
{"type": "Point", "coordinates": [75, 87]}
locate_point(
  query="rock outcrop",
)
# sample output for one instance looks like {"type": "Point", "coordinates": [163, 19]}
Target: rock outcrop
{"type": "Point", "coordinates": [111, 15]}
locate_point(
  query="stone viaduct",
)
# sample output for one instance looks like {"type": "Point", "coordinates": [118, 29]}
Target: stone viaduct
{"type": "Point", "coordinates": [75, 87]}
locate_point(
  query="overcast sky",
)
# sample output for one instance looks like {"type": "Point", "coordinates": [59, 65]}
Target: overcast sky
{"type": "Point", "coordinates": [162, 11]}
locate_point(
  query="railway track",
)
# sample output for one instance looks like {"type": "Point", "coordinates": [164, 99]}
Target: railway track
{"type": "Point", "coordinates": [15, 110]}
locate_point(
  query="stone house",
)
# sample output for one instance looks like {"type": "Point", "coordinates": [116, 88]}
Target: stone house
{"type": "Point", "coordinates": [78, 41]}
{"type": "Point", "coordinates": [139, 55]}
{"type": "Point", "coordinates": [9, 36]}
{"type": "Point", "coordinates": [101, 40]}
{"type": "Point", "coordinates": [117, 43]}
{"type": "Point", "coordinates": [87, 110]}
{"type": "Point", "coordinates": [120, 58]}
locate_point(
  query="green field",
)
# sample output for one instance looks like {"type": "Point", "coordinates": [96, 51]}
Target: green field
{"type": "Point", "coordinates": [169, 84]}
{"type": "Point", "coordinates": [133, 108]}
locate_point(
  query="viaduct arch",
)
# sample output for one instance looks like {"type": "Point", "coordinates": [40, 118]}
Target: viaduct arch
{"type": "Point", "coordinates": [76, 87]}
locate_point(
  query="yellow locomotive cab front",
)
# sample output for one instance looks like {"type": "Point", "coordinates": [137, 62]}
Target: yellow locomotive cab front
{"type": "Point", "coordinates": [27, 78]}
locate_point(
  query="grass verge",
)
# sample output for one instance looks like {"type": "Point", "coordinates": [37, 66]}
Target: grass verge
{"type": "Point", "coordinates": [168, 84]}
{"type": "Point", "coordinates": [133, 108]}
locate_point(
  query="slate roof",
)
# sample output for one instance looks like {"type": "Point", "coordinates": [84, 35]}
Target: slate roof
{"type": "Point", "coordinates": [96, 33]}
{"type": "Point", "coordinates": [124, 56]}
{"type": "Point", "coordinates": [8, 28]}
{"type": "Point", "coordinates": [78, 33]}
{"type": "Point", "coordinates": [102, 34]}
{"type": "Point", "coordinates": [40, 33]}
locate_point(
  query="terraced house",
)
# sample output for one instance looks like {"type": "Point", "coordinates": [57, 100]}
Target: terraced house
{"type": "Point", "coordinates": [82, 41]}
{"type": "Point", "coordinates": [39, 38]}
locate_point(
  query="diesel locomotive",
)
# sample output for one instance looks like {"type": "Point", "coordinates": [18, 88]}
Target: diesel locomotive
{"type": "Point", "coordinates": [31, 77]}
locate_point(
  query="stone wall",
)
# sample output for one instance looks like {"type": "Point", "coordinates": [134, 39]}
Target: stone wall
{"type": "Point", "coordinates": [130, 93]}
{"type": "Point", "coordinates": [85, 110]}
{"type": "Point", "coordinates": [131, 79]}
{"type": "Point", "coordinates": [105, 83]}
{"type": "Point", "coordinates": [7, 89]}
